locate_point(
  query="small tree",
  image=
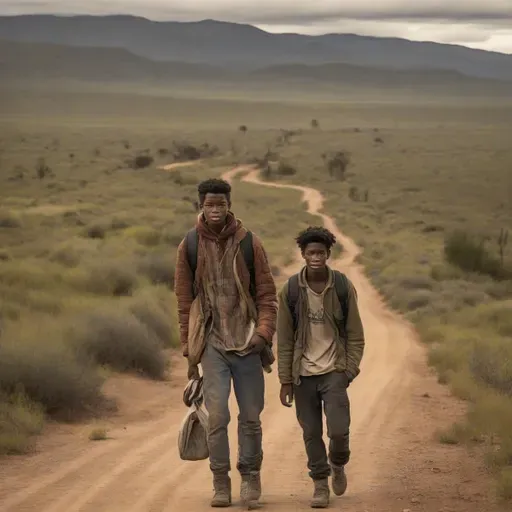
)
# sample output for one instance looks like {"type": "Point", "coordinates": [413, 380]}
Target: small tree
{"type": "Point", "coordinates": [337, 164]}
{"type": "Point", "coordinates": [242, 128]}
{"type": "Point", "coordinates": [42, 170]}
{"type": "Point", "coordinates": [315, 124]}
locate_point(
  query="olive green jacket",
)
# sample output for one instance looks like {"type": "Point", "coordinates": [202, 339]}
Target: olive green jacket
{"type": "Point", "coordinates": [291, 345]}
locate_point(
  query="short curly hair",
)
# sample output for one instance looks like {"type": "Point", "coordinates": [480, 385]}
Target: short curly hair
{"type": "Point", "coordinates": [315, 234]}
{"type": "Point", "coordinates": [213, 186]}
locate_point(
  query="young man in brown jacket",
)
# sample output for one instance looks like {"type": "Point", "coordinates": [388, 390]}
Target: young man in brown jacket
{"type": "Point", "coordinates": [227, 309]}
{"type": "Point", "coordinates": [320, 343]}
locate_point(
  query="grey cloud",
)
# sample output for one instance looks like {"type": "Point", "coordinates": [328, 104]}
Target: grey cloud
{"type": "Point", "coordinates": [282, 11]}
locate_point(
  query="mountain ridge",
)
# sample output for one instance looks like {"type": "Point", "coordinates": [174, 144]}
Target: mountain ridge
{"type": "Point", "coordinates": [30, 62]}
{"type": "Point", "coordinates": [244, 46]}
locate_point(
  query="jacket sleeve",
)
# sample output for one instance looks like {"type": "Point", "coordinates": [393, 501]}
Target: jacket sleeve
{"type": "Point", "coordinates": [266, 299]}
{"type": "Point", "coordinates": [285, 339]}
{"type": "Point", "coordinates": [355, 334]}
{"type": "Point", "coordinates": [183, 290]}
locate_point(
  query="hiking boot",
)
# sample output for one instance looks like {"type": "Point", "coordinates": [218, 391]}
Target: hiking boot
{"type": "Point", "coordinates": [250, 489]}
{"type": "Point", "coordinates": [339, 480]}
{"type": "Point", "coordinates": [321, 494]}
{"type": "Point", "coordinates": [222, 491]}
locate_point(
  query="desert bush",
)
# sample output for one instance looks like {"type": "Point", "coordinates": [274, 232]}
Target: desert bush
{"type": "Point", "coordinates": [153, 315]}
{"type": "Point", "coordinates": [337, 164]}
{"type": "Point", "coordinates": [9, 220]}
{"type": "Point", "coordinates": [49, 372]}
{"type": "Point", "coordinates": [183, 151]}
{"type": "Point", "coordinates": [159, 268]}
{"type": "Point", "coordinates": [145, 235]}
{"type": "Point", "coordinates": [142, 161]}
{"type": "Point", "coordinates": [470, 254]}
{"type": "Point", "coordinates": [20, 419]}
{"type": "Point", "coordinates": [98, 231]}
{"type": "Point", "coordinates": [491, 363]}
{"type": "Point", "coordinates": [285, 169]}
{"type": "Point", "coordinates": [111, 278]}
{"type": "Point", "coordinates": [242, 128]}
{"type": "Point", "coordinates": [418, 282]}
{"type": "Point", "coordinates": [121, 341]}
{"type": "Point", "coordinates": [314, 123]}
{"type": "Point", "coordinates": [42, 169]}
{"type": "Point", "coordinates": [65, 255]}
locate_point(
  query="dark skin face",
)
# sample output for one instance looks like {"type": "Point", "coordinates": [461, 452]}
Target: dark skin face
{"type": "Point", "coordinates": [316, 255]}
{"type": "Point", "coordinates": [215, 208]}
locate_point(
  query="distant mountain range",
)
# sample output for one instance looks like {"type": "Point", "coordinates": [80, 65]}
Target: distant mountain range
{"type": "Point", "coordinates": [236, 47]}
{"type": "Point", "coordinates": [33, 62]}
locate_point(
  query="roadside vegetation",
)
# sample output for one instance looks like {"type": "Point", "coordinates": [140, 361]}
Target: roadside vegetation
{"type": "Point", "coordinates": [431, 208]}
{"type": "Point", "coordinates": [89, 227]}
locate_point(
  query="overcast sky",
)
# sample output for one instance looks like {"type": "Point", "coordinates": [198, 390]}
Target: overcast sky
{"type": "Point", "coordinates": [485, 24]}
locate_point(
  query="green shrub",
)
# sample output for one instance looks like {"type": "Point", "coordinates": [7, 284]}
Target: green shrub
{"type": "Point", "coordinates": [491, 363]}
{"type": "Point", "coordinates": [159, 268]}
{"type": "Point", "coordinates": [142, 161]}
{"type": "Point", "coordinates": [9, 220]}
{"type": "Point", "coordinates": [470, 254]}
{"type": "Point", "coordinates": [49, 372]}
{"type": "Point", "coordinates": [285, 169]}
{"type": "Point", "coordinates": [20, 420]}
{"type": "Point", "coordinates": [111, 278]}
{"type": "Point", "coordinates": [119, 340]}
{"type": "Point", "coordinates": [155, 318]}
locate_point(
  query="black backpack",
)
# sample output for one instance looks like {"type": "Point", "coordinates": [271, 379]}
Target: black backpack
{"type": "Point", "coordinates": [245, 246]}
{"type": "Point", "coordinates": [340, 285]}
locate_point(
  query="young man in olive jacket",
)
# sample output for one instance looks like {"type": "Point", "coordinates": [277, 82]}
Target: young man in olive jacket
{"type": "Point", "coordinates": [320, 344]}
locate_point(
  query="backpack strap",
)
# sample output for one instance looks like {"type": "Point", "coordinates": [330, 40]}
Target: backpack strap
{"type": "Point", "coordinates": [248, 253]}
{"type": "Point", "coordinates": [341, 286]}
{"type": "Point", "coordinates": [293, 297]}
{"type": "Point", "coordinates": [192, 241]}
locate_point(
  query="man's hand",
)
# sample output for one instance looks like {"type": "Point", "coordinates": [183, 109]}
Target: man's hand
{"type": "Point", "coordinates": [286, 395]}
{"type": "Point", "coordinates": [193, 372]}
{"type": "Point", "coordinates": [257, 344]}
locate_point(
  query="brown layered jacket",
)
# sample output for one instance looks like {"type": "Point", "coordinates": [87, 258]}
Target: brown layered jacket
{"type": "Point", "coordinates": [265, 297]}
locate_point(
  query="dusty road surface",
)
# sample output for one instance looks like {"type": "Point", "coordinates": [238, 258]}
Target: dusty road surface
{"type": "Point", "coordinates": [397, 465]}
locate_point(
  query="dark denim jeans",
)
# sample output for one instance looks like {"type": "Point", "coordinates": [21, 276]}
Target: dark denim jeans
{"type": "Point", "coordinates": [330, 391]}
{"type": "Point", "coordinates": [219, 369]}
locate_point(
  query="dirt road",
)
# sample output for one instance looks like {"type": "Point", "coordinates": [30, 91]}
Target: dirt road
{"type": "Point", "coordinates": [396, 464]}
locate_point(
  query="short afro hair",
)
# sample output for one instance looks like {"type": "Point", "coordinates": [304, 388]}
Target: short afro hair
{"type": "Point", "coordinates": [315, 234]}
{"type": "Point", "coordinates": [214, 186]}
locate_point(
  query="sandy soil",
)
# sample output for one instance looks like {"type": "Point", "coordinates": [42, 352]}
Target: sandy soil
{"type": "Point", "coordinates": [397, 463]}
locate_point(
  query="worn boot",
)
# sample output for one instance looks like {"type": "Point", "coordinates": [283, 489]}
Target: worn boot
{"type": "Point", "coordinates": [339, 480]}
{"type": "Point", "coordinates": [250, 489]}
{"type": "Point", "coordinates": [222, 489]}
{"type": "Point", "coordinates": [321, 494]}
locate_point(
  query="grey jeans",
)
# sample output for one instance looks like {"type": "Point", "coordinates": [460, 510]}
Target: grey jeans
{"type": "Point", "coordinates": [219, 368]}
{"type": "Point", "coordinates": [329, 390]}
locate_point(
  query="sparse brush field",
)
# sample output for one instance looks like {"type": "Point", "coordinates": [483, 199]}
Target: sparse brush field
{"type": "Point", "coordinates": [428, 195]}
{"type": "Point", "coordinates": [89, 227]}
